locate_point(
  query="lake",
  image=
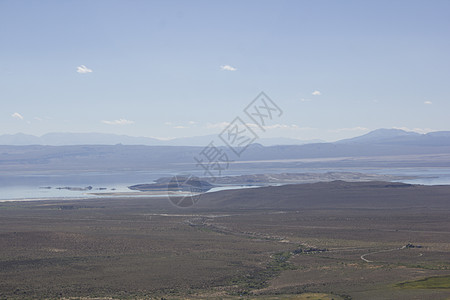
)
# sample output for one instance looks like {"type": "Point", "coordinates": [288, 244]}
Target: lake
{"type": "Point", "coordinates": [45, 186]}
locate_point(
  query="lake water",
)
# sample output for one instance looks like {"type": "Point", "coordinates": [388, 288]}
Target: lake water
{"type": "Point", "coordinates": [32, 186]}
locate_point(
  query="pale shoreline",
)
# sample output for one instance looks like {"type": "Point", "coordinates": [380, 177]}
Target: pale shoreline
{"type": "Point", "coordinates": [100, 196]}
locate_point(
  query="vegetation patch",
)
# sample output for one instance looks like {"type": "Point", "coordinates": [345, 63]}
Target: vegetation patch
{"type": "Point", "coordinates": [305, 296]}
{"type": "Point", "coordinates": [441, 282]}
{"type": "Point", "coordinates": [258, 279]}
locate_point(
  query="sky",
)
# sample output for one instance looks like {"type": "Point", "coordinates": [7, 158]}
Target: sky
{"type": "Point", "coordinates": [169, 69]}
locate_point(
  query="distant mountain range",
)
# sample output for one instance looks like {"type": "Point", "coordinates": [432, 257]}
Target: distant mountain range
{"type": "Point", "coordinates": [379, 136]}
{"type": "Point", "coordinates": [401, 137]}
{"type": "Point", "coordinates": [379, 148]}
{"type": "Point", "coordinates": [62, 139]}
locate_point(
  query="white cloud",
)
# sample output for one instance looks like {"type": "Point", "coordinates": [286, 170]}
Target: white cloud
{"type": "Point", "coordinates": [305, 100]}
{"type": "Point", "coordinates": [220, 125]}
{"type": "Point", "coordinates": [223, 125]}
{"type": "Point", "coordinates": [428, 102]}
{"type": "Point", "coordinates": [83, 69]}
{"type": "Point", "coordinates": [316, 93]}
{"type": "Point", "coordinates": [118, 122]}
{"type": "Point", "coordinates": [288, 127]}
{"type": "Point", "coordinates": [180, 127]}
{"type": "Point", "coordinates": [227, 68]}
{"type": "Point", "coordinates": [280, 126]}
{"type": "Point", "coordinates": [418, 130]}
{"type": "Point", "coordinates": [17, 116]}
{"type": "Point", "coordinates": [253, 125]}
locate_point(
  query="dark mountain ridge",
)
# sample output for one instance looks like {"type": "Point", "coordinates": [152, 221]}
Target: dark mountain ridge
{"type": "Point", "coordinates": [400, 137]}
{"type": "Point", "coordinates": [372, 150]}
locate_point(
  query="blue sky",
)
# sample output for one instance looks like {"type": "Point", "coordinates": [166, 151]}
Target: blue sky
{"type": "Point", "coordinates": [185, 68]}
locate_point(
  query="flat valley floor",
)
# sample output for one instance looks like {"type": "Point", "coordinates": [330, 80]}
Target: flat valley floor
{"type": "Point", "coordinates": [142, 248]}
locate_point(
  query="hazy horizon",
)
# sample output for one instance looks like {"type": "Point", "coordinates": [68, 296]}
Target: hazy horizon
{"type": "Point", "coordinates": [205, 137]}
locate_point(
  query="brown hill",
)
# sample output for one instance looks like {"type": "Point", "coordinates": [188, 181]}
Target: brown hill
{"type": "Point", "coordinates": [336, 194]}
